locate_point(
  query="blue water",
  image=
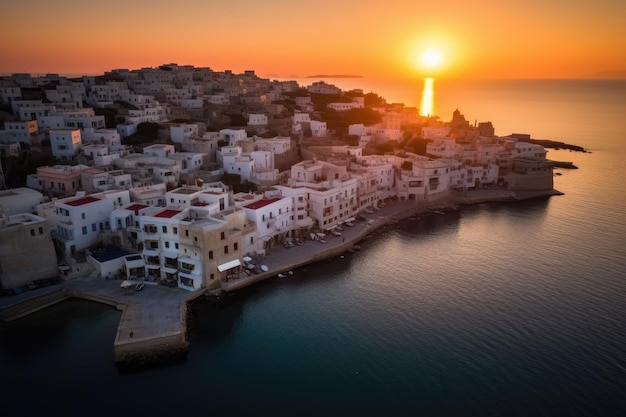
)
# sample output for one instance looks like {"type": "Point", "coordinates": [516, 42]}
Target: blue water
{"type": "Point", "coordinates": [515, 309]}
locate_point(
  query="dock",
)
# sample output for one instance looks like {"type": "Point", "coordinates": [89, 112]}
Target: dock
{"type": "Point", "coordinates": [153, 322]}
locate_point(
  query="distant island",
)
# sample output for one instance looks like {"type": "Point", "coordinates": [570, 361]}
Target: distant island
{"type": "Point", "coordinates": [334, 76]}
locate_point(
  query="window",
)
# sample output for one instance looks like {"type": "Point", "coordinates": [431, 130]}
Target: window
{"type": "Point", "coordinates": [235, 246]}
{"type": "Point", "coordinates": [164, 229]}
{"type": "Point", "coordinates": [225, 249]}
{"type": "Point", "coordinates": [187, 233]}
{"type": "Point", "coordinates": [167, 244]}
{"type": "Point", "coordinates": [84, 230]}
{"type": "Point", "coordinates": [82, 215]}
{"type": "Point", "coordinates": [210, 254]}
{"type": "Point", "coordinates": [175, 230]}
{"type": "Point", "coordinates": [222, 235]}
{"type": "Point", "coordinates": [41, 230]}
{"type": "Point", "coordinates": [93, 227]}
{"type": "Point", "coordinates": [32, 232]}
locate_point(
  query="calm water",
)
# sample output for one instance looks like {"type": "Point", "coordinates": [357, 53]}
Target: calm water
{"type": "Point", "coordinates": [490, 310]}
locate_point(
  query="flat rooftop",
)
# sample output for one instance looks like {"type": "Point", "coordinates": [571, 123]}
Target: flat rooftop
{"type": "Point", "coordinates": [136, 207]}
{"type": "Point", "coordinates": [167, 213]}
{"type": "Point", "coordinates": [81, 201]}
{"type": "Point", "coordinates": [108, 253]}
{"type": "Point", "coordinates": [261, 203]}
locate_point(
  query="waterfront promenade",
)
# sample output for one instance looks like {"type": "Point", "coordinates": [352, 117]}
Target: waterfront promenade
{"type": "Point", "coordinates": [153, 322]}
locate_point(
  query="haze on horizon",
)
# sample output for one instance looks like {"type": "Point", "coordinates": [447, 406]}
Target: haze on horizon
{"type": "Point", "coordinates": [282, 38]}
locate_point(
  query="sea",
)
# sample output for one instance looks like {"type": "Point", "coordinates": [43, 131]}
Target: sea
{"type": "Point", "coordinates": [489, 310]}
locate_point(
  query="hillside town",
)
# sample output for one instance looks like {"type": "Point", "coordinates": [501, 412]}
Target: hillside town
{"type": "Point", "coordinates": [186, 177]}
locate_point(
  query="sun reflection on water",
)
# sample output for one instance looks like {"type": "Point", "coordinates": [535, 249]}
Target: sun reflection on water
{"type": "Point", "coordinates": [427, 107]}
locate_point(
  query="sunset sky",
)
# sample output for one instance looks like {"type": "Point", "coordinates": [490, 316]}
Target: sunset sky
{"type": "Point", "coordinates": [287, 38]}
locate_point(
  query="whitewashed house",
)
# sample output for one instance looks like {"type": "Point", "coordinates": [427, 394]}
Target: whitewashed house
{"type": "Point", "coordinates": [65, 144]}
{"type": "Point", "coordinates": [79, 220]}
{"type": "Point", "coordinates": [273, 218]}
{"type": "Point", "coordinates": [20, 132]}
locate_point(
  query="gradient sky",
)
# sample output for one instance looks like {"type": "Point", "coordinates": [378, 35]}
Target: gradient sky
{"type": "Point", "coordinates": [286, 38]}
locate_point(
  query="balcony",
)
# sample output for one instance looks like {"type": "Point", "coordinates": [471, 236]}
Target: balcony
{"type": "Point", "coordinates": [150, 228]}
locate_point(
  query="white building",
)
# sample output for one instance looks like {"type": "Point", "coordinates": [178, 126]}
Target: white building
{"type": "Point", "coordinates": [444, 147]}
{"type": "Point", "coordinates": [79, 220]}
{"type": "Point", "coordinates": [109, 137]}
{"type": "Point", "coordinates": [234, 162]}
{"type": "Point", "coordinates": [277, 145]}
{"type": "Point", "coordinates": [273, 218]}
{"type": "Point", "coordinates": [190, 161]}
{"type": "Point", "coordinates": [256, 119]}
{"type": "Point", "coordinates": [65, 144]}
{"type": "Point", "coordinates": [318, 128]}
{"type": "Point", "coordinates": [320, 87]}
{"type": "Point", "coordinates": [160, 150]}
{"type": "Point", "coordinates": [435, 132]}
{"type": "Point", "coordinates": [19, 132]}
{"type": "Point", "coordinates": [179, 133]}
{"type": "Point", "coordinates": [232, 136]}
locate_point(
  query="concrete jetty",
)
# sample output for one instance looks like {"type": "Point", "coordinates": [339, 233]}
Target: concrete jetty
{"type": "Point", "coordinates": [153, 322]}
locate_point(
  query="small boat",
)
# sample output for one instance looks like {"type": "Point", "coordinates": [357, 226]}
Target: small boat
{"type": "Point", "coordinates": [126, 284]}
{"type": "Point", "coordinates": [139, 286]}
{"type": "Point", "coordinates": [264, 268]}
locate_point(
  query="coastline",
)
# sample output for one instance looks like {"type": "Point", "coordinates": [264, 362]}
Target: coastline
{"type": "Point", "coordinates": [153, 324]}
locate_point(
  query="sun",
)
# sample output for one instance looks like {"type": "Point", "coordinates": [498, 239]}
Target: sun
{"type": "Point", "coordinates": [431, 59]}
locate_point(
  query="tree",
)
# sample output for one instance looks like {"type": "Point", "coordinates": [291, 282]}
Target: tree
{"type": "Point", "coordinates": [148, 129]}
{"type": "Point", "coordinates": [361, 116]}
{"type": "Point", "coordinates": [406, 165]}
{"type": "Point", "coordinates": [374, 100]}
{"type": "Point", "coordinates": [109, 117]}
{"type": "Point", "coordinates": [352, 140]}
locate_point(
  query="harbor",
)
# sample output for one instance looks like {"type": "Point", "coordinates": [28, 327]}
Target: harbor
{"type": "Point", "coordinates": [153, 325]}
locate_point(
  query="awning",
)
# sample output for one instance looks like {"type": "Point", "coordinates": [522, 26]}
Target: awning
{"type": "Point", "coordinates": [228, 265]}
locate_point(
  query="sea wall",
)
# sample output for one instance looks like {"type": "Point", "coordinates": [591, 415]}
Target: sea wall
{"type": "Point", "coordinates": [25, 306]}
{"type": "Point", "coordinates": [138, 352]}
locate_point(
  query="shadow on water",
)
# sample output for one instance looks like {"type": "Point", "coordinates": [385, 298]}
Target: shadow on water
{"type": "Point", "coordinates": [37, 333]}
{"type": "Point", "coordinates": [427, 223]}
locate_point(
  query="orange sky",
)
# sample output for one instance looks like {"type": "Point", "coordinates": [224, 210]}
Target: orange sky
{"type": "Point", "coordinates": [285, 38]}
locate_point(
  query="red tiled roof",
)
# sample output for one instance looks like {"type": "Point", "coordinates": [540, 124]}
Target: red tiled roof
{"type": "Point", "coordinates": [167, 213]}
{"type": "Point", "coordinates": [136, 207]}
{"type": "Point", "coordinates": [261, 203]}
{"type": "Point", "coordinates": [81, 201]}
